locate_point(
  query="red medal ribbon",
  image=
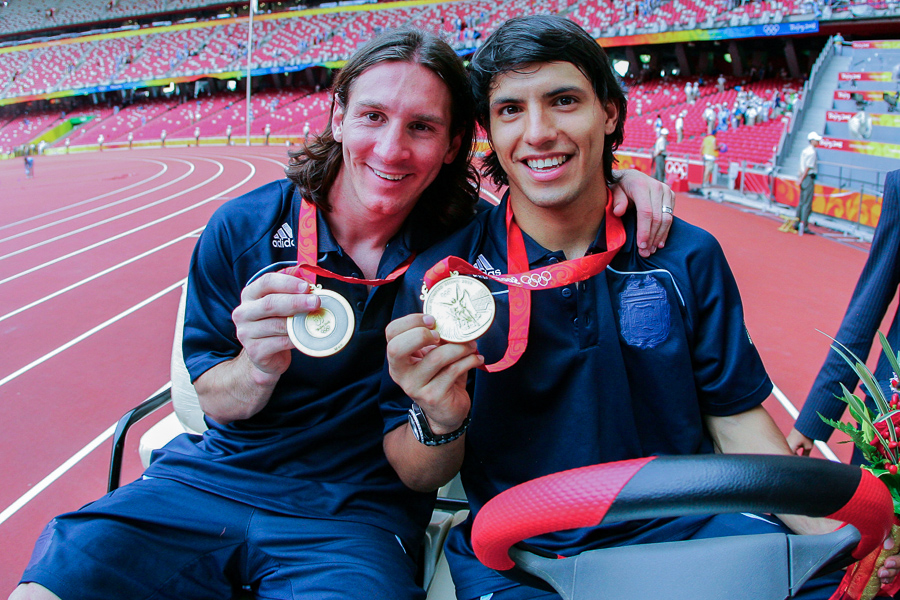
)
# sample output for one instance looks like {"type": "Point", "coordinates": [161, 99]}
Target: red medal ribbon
{"type": "Point", "coordinates": [524, 280]}
{"type": "Point", "coordinates": [307, 251]}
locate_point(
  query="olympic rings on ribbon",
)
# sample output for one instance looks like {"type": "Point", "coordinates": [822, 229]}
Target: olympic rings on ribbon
{"type": "Point", "coordinates": [541, 279]}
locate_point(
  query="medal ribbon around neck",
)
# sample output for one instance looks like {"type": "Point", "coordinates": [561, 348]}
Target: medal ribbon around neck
{"type": "Point", "coordinates": [524, 280]}
{"type": "Point", "coordinates": [327, 330]}
{"type": "Point", "coordinates": [308, 248]}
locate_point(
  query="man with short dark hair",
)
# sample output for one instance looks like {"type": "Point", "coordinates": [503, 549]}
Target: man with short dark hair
{"type": "Point", "coordinates": [289, 492]}
{"type": "Point", "coordinates": [596, 354]}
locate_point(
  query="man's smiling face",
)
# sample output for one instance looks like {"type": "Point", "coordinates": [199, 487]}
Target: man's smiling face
{"type": "Point", "coordinates": [548, 128]}
{"type": "Point", "coordinates": [395, 134]}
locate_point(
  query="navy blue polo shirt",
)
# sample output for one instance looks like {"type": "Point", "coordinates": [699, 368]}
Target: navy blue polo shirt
{"type": "Point", "coordinates": [315, 450]}
{"type": "Point", "coordinates": [623, 365]}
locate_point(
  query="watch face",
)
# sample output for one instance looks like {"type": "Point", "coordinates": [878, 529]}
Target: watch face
{"type": "Point", "coordinates": [325, 331]}
{"type": "Point", "coordinates": [463, 308]}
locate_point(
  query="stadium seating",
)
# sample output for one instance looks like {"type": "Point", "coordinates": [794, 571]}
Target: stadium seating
{"type": "Point", "coordinates": [36, 15]}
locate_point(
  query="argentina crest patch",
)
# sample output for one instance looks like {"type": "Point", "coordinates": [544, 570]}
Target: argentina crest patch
{"type": "Point", "coordinates": [644, 312]}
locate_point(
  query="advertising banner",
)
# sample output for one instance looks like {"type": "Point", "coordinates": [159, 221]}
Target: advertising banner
{"type": "Point", "coordinates": [882, 120]}
{"type": "Point", "coordinates": [867, 95]}
{"type": "Point", "coordinates": [864, 76]}
{"type": "Point", "coordinates": [702, 35]}
{"type": "Point", "coordinates": [838, 203]}
{"type": "Point", "coordinates": [862, 147]}
{"type": "Point", "coordinates": [878, 45]}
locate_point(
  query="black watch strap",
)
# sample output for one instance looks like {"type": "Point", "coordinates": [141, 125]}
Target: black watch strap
{"type": "Point", "coordinates": [420, 428]}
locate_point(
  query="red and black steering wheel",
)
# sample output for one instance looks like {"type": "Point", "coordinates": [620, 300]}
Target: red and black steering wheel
{"type": "Point", "coordinates": [758, 567]}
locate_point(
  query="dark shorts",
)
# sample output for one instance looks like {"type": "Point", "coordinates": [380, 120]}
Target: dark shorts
{"type": "Point", "coordinates": [158, 538]}
{"type": "Point", "coordinates": [818, 588]}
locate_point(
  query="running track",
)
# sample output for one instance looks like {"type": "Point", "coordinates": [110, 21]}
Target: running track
{"type": "Point", "coordinates": [92, 253]}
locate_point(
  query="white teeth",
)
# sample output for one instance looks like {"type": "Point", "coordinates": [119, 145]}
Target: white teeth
{"type": "Point", "coordinates": [387, 176]}
{"type": "Point", "coordinates": [544, 163]}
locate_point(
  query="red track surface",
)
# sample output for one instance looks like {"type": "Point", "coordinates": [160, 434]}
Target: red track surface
{"type": "Point", "coordinates": [83, 216]}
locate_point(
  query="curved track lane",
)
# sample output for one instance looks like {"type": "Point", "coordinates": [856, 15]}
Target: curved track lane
{"type": "Point", "coordinates": [89, 285]}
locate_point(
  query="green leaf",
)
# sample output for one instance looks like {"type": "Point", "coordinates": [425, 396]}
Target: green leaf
{"type": "Point", "coordinates": [887, 416]}
{"type": "Point", "coordinates": [873, 388]}
{"type": "Point", "coordinates": [895, 365]}
{"type": "Point", "coordinates": [860, 368]}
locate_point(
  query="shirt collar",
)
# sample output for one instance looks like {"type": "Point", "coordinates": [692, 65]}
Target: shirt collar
{"type": "Point", "coordinates": [397, 250]}
{"type": "Point", "coordinates": [537, 253]}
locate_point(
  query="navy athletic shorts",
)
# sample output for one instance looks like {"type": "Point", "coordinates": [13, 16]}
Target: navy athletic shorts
{"type": "Point", "coordinates": [157, 538]}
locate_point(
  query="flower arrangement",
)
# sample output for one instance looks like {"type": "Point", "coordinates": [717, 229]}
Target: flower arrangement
{"type": "Point", "coordinates": [877, 435]}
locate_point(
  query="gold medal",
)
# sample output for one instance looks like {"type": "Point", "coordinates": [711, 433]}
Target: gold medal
{"type": "Point", "coordinates": [463, 308]}
{"type": "Point", "coordinates": [325, 331]}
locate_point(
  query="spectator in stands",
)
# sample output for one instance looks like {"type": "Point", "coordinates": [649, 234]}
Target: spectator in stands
{"type": "Point", "coordinates": [720, 83]}
{"type": "Point", "coordinates": [679, 126]}
{"type": "Point", "coordinates": [838, 44]}
{"type": "Point", "coordinates": [809, 161]}
{"type": "Point", "coordinates": [659, 155]}
{"type": "Point", "coordinates": [688, 96]}
{"type": "Point", "coordinates": [871, 298]}
{"type": "Point", "coordinates": [709, 116]}
{"type": "Point", "coordinates": [695, 92]}
{"type": "Point", "coordinates": [710, 151]}
{"type": "Point", "coordinates": [289, 490]}
{"type": "Point", "coordinates": [657, 123]}
{"type": "Point", "coordinates": [723, 117]}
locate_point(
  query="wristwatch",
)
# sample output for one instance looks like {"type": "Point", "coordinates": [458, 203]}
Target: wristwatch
{"type": "Point", "coordinates": [420, 428]}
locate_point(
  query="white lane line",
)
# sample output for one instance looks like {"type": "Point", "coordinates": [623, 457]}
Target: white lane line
{"type": "Point", "coordinates": [89, 333]}
{"type": "Point", "coordinates": [792, 410]}
{"type": "Point", "coordinates": [136, 229]}
{"type": "Point", "coordinates": [105, 206]}
{"type": "Point", "coordinates": [86, 280]}
{"type": "Point", "coordinates": [61, 470]}
{"type": "Point", "coordinates": [46, 241]}
{"type": "Point", "coordinates": [165, 168]}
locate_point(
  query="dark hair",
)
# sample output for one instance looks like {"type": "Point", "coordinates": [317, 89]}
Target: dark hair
{"type": "Point", "coordinates": [543, 39]}
{"type": "Point", "coordinates": [450, 199]}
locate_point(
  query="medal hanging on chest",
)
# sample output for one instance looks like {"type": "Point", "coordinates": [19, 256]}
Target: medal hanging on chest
{"type": "Point", "coordinates": [463, 307]}
{"type": "Point", "coordinates": [327, 330]}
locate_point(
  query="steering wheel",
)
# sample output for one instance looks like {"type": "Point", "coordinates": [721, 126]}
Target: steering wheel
{"type": "Point", "coordinates": [761, 567]}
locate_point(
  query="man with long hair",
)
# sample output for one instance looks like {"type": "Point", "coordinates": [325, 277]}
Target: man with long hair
{"type": "Point", "coordinates": [288, 493]}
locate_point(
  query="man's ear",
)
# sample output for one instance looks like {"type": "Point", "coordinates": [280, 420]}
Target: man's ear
{"type": "Point", "coordinates": [337, 123]}
{"type": "Point", "coordinates": [612, 116]}
{"type": "Point", "coordinates": [453, 149]}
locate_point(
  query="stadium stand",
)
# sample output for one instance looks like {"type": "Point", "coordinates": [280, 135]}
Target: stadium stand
{"type": "Point", "coordinates": [38, 15]}
{"type": "Point", "coordinates": [301, 39]}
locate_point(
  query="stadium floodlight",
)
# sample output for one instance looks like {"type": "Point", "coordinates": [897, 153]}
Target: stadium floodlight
{"type": "Point", "coordinates": [254, 7]}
